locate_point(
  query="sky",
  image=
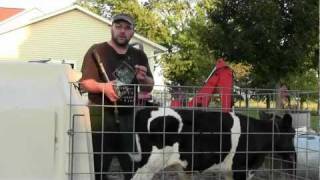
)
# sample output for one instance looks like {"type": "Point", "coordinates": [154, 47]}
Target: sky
{"type": "Point", "coordinates": [44, 5]}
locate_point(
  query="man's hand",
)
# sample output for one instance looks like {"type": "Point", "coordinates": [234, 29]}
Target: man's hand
{"type": "Point", "coordinates": [141, 75]}
{"type": "Point", "coordinates": [141, 72]}
{"type": "Point", "coordinates": [108, 90]}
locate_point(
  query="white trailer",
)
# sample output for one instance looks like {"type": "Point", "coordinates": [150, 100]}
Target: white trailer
{"type": "Point", "coordinates": [37, 124]}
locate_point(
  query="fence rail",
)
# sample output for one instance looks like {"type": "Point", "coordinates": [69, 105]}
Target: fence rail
{"type": "Point", "coordinates": [302, 105]}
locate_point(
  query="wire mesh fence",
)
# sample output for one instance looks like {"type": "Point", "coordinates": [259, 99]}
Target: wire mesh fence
{"type": "Point", "coordinates": [170, 159]}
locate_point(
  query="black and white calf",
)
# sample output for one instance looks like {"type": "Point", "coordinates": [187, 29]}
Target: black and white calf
{"type": "Point", "coordinates": [209, 141]}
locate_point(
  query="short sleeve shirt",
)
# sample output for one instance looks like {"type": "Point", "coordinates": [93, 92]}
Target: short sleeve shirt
{"type": "Point", "coordinates": [111, 61]}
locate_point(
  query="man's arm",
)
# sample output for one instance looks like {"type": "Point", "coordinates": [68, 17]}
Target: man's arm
{"type": "Point", "coordinates": [148, 84]}
{"type": "Point", "coordinates": [90, 77]}
{"type": "Point", "coordinates": [93, 86]}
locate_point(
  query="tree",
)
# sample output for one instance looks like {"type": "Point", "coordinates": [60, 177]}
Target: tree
{"type": "Point", "coordinates": [304, 82]}
{"type": "Point", "coordinates": [175, 24]}
{"type": "Point", "coordinates": [276, 37]}
{"type": "Point", "coordinates": [148, 23]}
{"type": "Point", "coordinates": [189, 60]}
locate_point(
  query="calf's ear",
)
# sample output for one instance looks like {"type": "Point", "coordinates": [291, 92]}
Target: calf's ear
{"type": "Point", "coordinates": [286, 121]}
{"type": "Point", "coordinates": [265, 116]}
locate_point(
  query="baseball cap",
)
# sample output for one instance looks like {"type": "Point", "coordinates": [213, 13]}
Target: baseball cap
{"type": "Point", "coordinates": [123, 17]}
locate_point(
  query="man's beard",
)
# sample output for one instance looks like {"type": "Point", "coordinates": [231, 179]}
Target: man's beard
{"type": "Point", "coordinates": [121, 44]}
{"type": "Point", "coordinates": [118, 43]}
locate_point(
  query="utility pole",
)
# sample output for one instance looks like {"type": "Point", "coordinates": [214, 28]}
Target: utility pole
{"type": "Point", "coordinates": [319, 85]}
{"type": "Point", "coordinates": [319, 74]}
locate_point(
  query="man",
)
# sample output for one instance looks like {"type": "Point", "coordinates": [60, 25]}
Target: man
{"type": "Point", "coordinates": [284, 95]}
{"type": "Point", "coordinates": [117, 113]}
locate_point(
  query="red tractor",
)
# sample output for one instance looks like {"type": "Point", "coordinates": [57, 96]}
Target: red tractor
{"type": "Point", "coordinates": [219, 81]}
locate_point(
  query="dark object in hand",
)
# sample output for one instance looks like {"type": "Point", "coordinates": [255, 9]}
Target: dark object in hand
{"type": "Point", "coordinates": [124, 75]}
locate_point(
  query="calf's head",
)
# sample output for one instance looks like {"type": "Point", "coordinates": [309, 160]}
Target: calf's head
{"type": "Point", "coordinates": [165, 124]}
{"type": "Point", "coordinates": [284, 144]}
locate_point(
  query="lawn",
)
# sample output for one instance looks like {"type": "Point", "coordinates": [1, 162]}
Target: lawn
{"type": "Point", "coordinates": [254, 112]}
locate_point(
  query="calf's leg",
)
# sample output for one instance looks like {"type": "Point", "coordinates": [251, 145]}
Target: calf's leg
{"type": "Point", "coordinates": [239, 175]}
{"type": "Point", "coordinates": [172, 172]}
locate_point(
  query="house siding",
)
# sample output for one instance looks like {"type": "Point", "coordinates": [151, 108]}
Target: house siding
{"type": "Point", "coordinates": [65, 36]}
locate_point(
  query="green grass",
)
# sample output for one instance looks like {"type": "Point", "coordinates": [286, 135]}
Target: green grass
{"type": "Point", "coordinates": [314, 121]}
{"type": "Point", "coordinates": [256, 106]}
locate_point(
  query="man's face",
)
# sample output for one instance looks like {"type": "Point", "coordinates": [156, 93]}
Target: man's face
{"type": "Point", "coordinates": [121, 32]}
